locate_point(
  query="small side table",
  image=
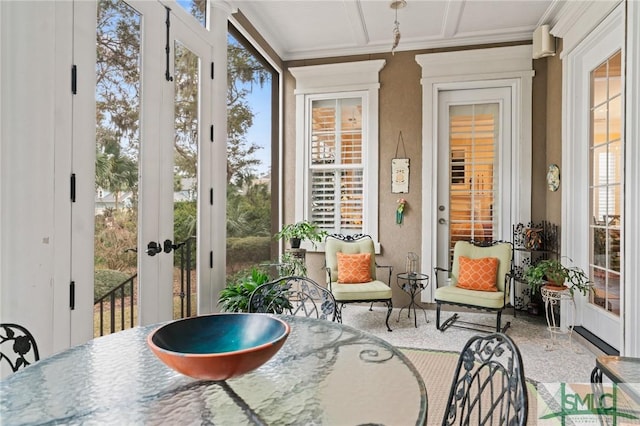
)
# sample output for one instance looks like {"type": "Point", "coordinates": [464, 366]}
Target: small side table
{"type": "Point", "coordinates": [412, 283]}
{"type": "Point", "coordinates": [554, 297]}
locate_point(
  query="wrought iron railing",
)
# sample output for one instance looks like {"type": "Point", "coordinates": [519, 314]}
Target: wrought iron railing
{"type": "Point", "coordinates": [117, 310]}
{"type": "Point", "coordinates": [109, 303]}
{"type": "Point", "coordinates": [186, 267]}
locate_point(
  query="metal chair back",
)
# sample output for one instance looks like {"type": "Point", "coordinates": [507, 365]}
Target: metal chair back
{"type": "Point", "coordinates": [294, 296]}
{"type": "Point", "coordinates": [488, 386]}
{"type": "Point", "coordinates": [17, 346]}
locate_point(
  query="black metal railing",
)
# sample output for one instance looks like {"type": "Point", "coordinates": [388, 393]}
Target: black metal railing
{"type": "Point", "coordinates": [116, 310]}
{"type": "Point", "coordinates": [187, 252]}
{"type": "Point", "coordinates": [126, 294]}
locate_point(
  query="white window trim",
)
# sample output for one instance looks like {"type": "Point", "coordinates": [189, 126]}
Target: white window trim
{"type": "Point", "coordinates": [337, 81]}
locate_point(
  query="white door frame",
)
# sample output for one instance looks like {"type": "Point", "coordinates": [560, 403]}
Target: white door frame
{"type": "Point", "coordinates": [575, 161]}
{"type": "Point", "coordinates": [494, 67]}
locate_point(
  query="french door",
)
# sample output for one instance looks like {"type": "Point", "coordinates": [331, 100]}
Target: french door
{"type": "Point", "coordinates": [474, 167]}
{"type": "Point", "coordinates": [158, 135]}
{"type": "Point", "coordinates": [596, 202]}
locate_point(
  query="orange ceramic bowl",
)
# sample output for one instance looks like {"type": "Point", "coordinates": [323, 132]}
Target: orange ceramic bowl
{"type": "Point", "coordinates": [219, 346]}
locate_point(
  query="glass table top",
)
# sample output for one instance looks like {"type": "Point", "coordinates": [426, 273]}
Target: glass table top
{"type": "Point", "coordinates": [326, 373]}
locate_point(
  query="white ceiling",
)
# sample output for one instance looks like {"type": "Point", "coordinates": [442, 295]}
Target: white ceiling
{"type": "Point", "coordinates": [303, 29]}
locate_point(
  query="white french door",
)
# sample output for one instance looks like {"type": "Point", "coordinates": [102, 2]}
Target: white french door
{"type": "Point", "coordinates": [173, 96]}
{"type": "Point", "coordinates": [595, 196]}
{"type": "Point", "coordinates": [474, 167]}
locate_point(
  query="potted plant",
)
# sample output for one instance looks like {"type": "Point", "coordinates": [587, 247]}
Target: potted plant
{"type": "Point", "coordinates": [235, 297]}
{"type": "Point", "coordinates": [300, 231]}
{"type": "Point", "coordinates": [551, 272]}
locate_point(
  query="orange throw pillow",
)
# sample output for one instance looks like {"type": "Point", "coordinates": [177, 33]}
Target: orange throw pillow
{"type": "Point", "coordinates": [354, 268]}
{"type": "Point", "coordinates": [478, 274]}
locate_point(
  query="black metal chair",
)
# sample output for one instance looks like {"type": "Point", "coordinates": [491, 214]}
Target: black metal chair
{"type": "Point", "coordinates": [294, 296]}
{"type": "Point", "coordinates": [17, 346]}
{"type": "Point", "coordinates": [488, 386]}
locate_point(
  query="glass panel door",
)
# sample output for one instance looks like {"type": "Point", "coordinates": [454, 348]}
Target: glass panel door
{"type": "Point", "coordinates": [606, 189]}
{"type": "Point", "coordinates": [118, 83]}
{"type": "Point", "coordinates": [185, 196]}
{"type": "Point", "coordinates": [474, 195]}
{"type": "Point", "coordinates": [148, 160]}
{"type": "Point", "coordinates": [473, 137]}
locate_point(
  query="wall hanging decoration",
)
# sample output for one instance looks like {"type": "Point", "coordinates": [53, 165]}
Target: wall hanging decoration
{"type": "Point", "coordinates": [553, 177]}
{"type": "Point", "coordinates": [400, 210]}
{"type": "Point", "coordinates": [400, 170]}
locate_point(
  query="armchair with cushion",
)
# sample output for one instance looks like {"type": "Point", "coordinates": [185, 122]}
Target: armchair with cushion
{"type": "Point", "coordinates": [480, 278]}
{"type": "Point", "coordinates": [351, 272]}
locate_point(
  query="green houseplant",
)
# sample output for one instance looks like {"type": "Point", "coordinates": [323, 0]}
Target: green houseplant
{"type": "Point", "coordinates": [300, 231]}
{"type": "Point", "coordinates": [235, 297]}
{"type": "Point", "coordinates": [553, 272]}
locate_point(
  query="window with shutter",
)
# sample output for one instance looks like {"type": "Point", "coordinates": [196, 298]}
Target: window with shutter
{"type": "Point", "coordinates": [337, 146]}
{"type": "Point", "coordinates": [336, 164]}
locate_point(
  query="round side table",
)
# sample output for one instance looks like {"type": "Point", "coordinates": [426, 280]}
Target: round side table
{"type": "Point", "coordinates": [552, 298]}
{"type": "Point", "coordinates": [412, 283]}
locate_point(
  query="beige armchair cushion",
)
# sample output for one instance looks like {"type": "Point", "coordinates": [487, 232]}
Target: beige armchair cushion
{"type": "Point", "coordinates": [488, 299]}
{"type": "Point", "coordinates": [373, 290]}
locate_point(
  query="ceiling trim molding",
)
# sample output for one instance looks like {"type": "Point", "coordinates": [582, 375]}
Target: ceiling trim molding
{"type": "Point", "coordinates": [313, 77]}
{"type": "Point", "coordinates": [502, 59]}
{"type": "Point", "coordinates": [358, 24]}
{"type": "Point", "coordinates": [452, 18]}
{"type": "Point", "coordinates": [577, 19]}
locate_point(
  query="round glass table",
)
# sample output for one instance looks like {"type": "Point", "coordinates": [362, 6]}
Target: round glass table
{"type": "Point", "coordinates": [326, 373]}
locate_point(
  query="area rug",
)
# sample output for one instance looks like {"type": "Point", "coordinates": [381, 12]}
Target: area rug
{"type": "Point", "coordinates": [437, 369]}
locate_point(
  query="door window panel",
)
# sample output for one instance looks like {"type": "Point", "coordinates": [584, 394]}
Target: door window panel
{"type": "Point", "coordinates": [197, 8]}
{"type": "Point", "coordinates": [117, 158]}
{"type": "Point", "coordinates": [473, 136]}
{"type": "Point", "coordinates": [186, 140]}
{"type": "Point", "coordinates": [606, 148]}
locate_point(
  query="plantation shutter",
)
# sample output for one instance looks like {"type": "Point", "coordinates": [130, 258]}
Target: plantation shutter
{"type": "Point", "coordinates": [473, 143]}
{"type": "Point", "coordinates": [336, 165]}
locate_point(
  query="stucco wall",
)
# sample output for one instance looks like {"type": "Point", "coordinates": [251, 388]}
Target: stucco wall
{"type": "Point", "coordinates": [401, 110]}
{"type": "Point", "coordinates": [400, 99]}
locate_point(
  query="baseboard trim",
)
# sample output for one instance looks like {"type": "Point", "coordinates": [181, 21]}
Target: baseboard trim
{"type": "Point", "coordinates": [600, 344]}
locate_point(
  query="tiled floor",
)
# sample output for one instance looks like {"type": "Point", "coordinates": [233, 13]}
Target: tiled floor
{"type": "Point", "coordinates": [564, 361]}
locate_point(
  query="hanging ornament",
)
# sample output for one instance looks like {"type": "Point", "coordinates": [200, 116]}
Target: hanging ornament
{"type": "Point", "coordinates": [395, 5]}
{"type": "Point", "coordinates": [400, 210]}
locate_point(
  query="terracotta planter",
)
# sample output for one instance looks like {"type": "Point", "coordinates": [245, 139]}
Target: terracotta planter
{"type": "Point", "coordinates": [554, 286]}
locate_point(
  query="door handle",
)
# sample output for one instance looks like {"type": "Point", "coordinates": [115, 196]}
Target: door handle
{"type": "Point", "coordinates": [442, 221]}
{"type": "Point", "coordinates": [168, 246]}
{"type": "Point", "coordinates": [153, 248]}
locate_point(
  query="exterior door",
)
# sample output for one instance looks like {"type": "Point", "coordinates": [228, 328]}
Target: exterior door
{"type": "Point", "coordinates": [597, 177]}
{"type": "Point", "coordinates": [474, 167]}
{"type": "Point", "coordinates": [156, 135]}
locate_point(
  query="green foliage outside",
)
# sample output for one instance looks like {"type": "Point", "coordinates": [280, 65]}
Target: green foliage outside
{"type": "Point", "coordinates": [115, 240]}
{"type": "Point", "coordinates": [235, 297]}
{"type": "Point", "coordinates": [105, 280]}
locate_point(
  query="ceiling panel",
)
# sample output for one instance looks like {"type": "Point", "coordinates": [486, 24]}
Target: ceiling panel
{"type": "Point", "coordinates": [304, 29]}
